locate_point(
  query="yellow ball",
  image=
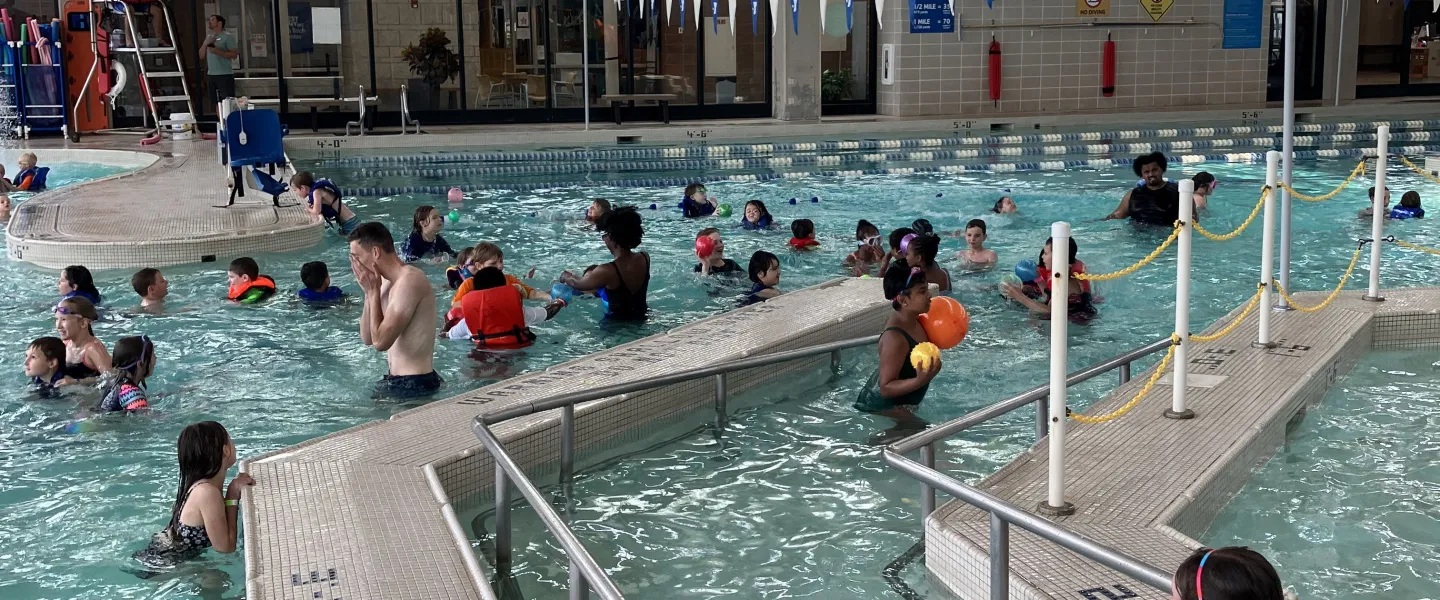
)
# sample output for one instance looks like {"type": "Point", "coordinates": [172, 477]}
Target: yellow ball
{"type": "Point", "coordinates": [924, 355]}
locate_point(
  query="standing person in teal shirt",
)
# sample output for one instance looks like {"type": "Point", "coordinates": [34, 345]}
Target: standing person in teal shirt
{"type": "Point", "coordinates": [217, 50]}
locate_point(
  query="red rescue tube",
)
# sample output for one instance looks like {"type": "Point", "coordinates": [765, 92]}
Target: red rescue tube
{"type": "Point", "coordinates": [994, 71]}
{"type": "Point", "coordinates": [1107, 82]}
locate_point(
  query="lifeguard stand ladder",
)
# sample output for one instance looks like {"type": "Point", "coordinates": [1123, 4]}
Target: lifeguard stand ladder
{"type": "Point", "coordinates": [152, 102]}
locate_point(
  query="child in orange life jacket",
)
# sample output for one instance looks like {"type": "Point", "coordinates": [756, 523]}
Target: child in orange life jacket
{"type": "Point", "coordinates": [30, 178]}
{"type": "Point", "coordinates": [486, 255]}
{"type": "Point", "coordinates": [247, 285]}
{"type": "Point", "coordinates": [1035, 295]}
{"type": "Point", "coordinates": [803, 231]}
{"type": "Point", "coordinates": [494, 315]}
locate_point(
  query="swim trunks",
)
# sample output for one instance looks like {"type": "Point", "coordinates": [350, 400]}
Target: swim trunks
{"type": "Point", "coordinates": [350, 225]}
{"type": "Point", "coordinates": [408, 386]}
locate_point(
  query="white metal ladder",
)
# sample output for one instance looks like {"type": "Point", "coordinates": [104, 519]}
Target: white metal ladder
{"type": "Point", "coordinates": [147, 77]}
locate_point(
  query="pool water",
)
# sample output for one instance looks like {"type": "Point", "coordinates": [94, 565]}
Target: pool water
{"type": "Point", "coordinates": [68, 173]}
{"type": "Point", "coordinates": [74, 506]}
{"type": "Point", "coordinates": [1348, 508]}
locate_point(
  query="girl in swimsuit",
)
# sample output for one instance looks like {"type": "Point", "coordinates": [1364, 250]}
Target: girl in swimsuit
{"type": "Point", "coordinates": [124, 388]}
{"type": "Point", "coordinates": [1231, 572]}
{"type": "Point", "coordinates": [897, 387]}
{"type": "Point", "coordinates": [85, 356]}
{"type": "Point", "coordinates": [867, 249]}
{"type": "Point", "coordinates": [1036, 295]}
{"type": "Point", "coordinates": [202, 517]}
{"type": "Point", "coordinates": [75, 280]}
{"type": "Point", "coordinates": [921, 253]}
{"type": "Point", "coordinates": [624, 280]}
{"type": "Point", "coordinates": [765, 274]}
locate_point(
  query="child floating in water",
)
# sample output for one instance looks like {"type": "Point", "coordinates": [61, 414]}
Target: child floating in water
{"type": "Point", "coordinates": [599, 207]}
{"type": "Point", "coordinates": [322, 199]}
{"type": "Point", "coordinates": [712, 254]}
{"type": "Point", "coordinates": [921, 252]}
{"type": "Point", "coordinates": [1369, 210]}
{"type": "Point", "coordinates": [1409, 207]}
{"type": "Point", "coordinates": [1205, 185]}
{"type": "Point", "coordinates": [123, 389]}
{"type": "Point", "coordinates": [1004, 206]}
{"type": "Point", "coordinates": [897, 387]}
{"type": "Point", "coordinates": [45, 364]}
{"type": "Point", "coordinates": [247, 285]}
{"type": "Point", "coordinates": [425, 240]}
{"type": "Point", "coordinates": [976, 255]}
{"type": "Point", "coordinates": [868, 251]}
{"type": "Point", "coordinates": [202, 516]}
{"type": "Point", "coordinates": [75, 280]}
{"type": "Point", "coordinates": [803, 231]}
{"type": "Point", "coordinates": [696, 203]}
{"type": "Point", "coordinates": [455, 275]}
{"type": "Point", "coordinates": [485, 255]}
{"type": "Point", "coordinates": [765, 274]}
{"type": "Point", "coordinates": [152, 288]}
{"type": "Point", "coordinates": [85, 356]}
{"type": "Point", "coordinates": [1232, 572]}
{"type": "Point", "coordinates": [30, 178]}
{"type": "Point", "coordinates": [898, 247]}
{"type": "Point", "coordinates": [1035, 295]}
{"type": "Point", "coordinates": [756, 216]}
{"type": "Point", "coordinates": [4, 205]}
{"type": "Point", "coordinates": [316, 277]}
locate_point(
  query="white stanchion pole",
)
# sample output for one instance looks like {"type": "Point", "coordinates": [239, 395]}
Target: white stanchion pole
{"type": "Point", "coordinates": [1267, 250]}
{"type": "Point", "coordinates": [1182, 302]}
{"type": "Point", "coordinates": [1059, 356]}
{"type": "Point", "coordinates": [1377, 220]}
{"type": "Point", "coordinates": [1288, 146]}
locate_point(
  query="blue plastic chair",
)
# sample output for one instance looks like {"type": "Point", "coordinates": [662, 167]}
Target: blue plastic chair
{"type": "Point", "coordinates": [261, 147]}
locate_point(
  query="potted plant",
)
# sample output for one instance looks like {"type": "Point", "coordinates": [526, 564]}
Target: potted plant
{"type": "Point", "coordinates": [434, 62]}
{"type": "Point", "coordinates": [835, 85]}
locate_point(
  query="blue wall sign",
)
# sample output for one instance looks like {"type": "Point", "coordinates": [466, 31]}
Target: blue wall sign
{"type": "Point", "coordinates": [302, 37]}
{"type": "Point", "coordinates": [1244, 24]}
{"type": "Point", "coordinates": [930, 16]}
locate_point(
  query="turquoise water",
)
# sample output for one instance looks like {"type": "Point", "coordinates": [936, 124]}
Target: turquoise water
{"type": "Point", "coordinates": [73, 507]}
{"type": "Point", "coordinates": [1348, 508]}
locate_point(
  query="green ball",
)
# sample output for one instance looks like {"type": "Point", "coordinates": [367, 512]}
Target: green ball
{"type": "Point", "coordinates": [724, 210]}
{"type": "Point", "coordinates": [454, 216]}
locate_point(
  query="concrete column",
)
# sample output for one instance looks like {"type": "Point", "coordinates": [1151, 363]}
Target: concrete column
{"type": "Point", "coordinates": [1342, 25]}
{"type": "Point", "coordinates": [797, 64]}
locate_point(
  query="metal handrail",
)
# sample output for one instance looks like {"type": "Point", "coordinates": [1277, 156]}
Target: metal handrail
{"type": "Point", "coordinates": [585, 573]}
{"type": "Point", "coordinates": [1002, 513]}
{"type": "Point", "coordinates": [405, 120]}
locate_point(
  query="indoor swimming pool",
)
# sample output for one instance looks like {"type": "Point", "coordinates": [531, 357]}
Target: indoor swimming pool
{"type": "Point", "coordinates": [793, 499]}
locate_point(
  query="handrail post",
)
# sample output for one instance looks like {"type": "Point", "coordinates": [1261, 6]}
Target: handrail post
{"type": "Point", "coordinates": [927, 493]}
{"type": "Point", "coordinates": [567, 445]}
{"type": "Point", "coordinates": [1125, 373]}
{"type": "Point", "coordinates": [1055, 503]}
{"type": "Point", "coordinates": [1267, 247]}
{"type": "Point", "coordinates": [502, 522]}
{"type": "Point", "coordinates": [1377, 220]}
{"type": "Point", "coordinates": [1177, 408]}
{"type": "Point", "coordinates": [579, 588]}
{"type": "Point", "coordinates": [999, 558]}
{"type": "Point", "coordinates": [1042, 417]}
{"type": "Point", "coordinates": [722, 416]}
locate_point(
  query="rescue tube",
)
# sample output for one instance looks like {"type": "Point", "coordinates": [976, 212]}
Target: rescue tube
{"type": "Point", "coordinates": [995, 71]}
{"type": "Point", "coordinates": [1107, 68]}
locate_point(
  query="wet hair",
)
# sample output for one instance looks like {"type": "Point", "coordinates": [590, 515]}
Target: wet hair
{"type": "Point", "coordinates": [1074, 250]}
{"type": "Point", "coordinates": [706, 231]}
{"type": "Point", "coordinates": [865, 229]}
{"type": "Point", "coordinates": [485, 252]}
{"type": "Point", "coordinates": [927, 245]}
{"type": "Point", "coordinates": [922, 226]}
{"type": "Point", "coordinates": [1230, 573]}
{"type": "Point", "coordinates": [1203, 179]}
{"type": "Point", "coordinates": [373, 235]}
{"type": "Point", "coordinates": [1411, 199]}
{"type": "Point", "coordinates": [603, 204]}
{"type": "Point", "coordinates": [465, 255]}
{"type": "Point", "coordinates": [1153, 158]}
{"type": "Point", "coordinates": [764, 212]}
{"type": "Point", "coordinates": [623, 226]}
{"type": "Point", "coordinates": [80, 278]}
{"type": "Point", "coordinates": [83, 308]}
{"type": "Point", "coordinates": [51, 348]}
{"type": "Point", "coordinates": [803, 228]}
{"type": "Point", "coordinates": [313, 275]}
{"type": "Point", "coordinates": [488, 277]}
{"type": "Point", "coordinates": [692, 188]}
{"type": "Point", "coordinates": [760, 262]}
{"type": "Point", "coordinates": [303, 178]}
{"type": "Point", "coordinates": [245, 266]}
{"type": "Point", "coordinates": [421, 214]}
{"type": "Point", "coordinates": [999, 204]}
{"type": "Point", "coordinates": [897, 235]}
{"type": "Point", "coordinates": [130, 353]}
{"type": "Point", "coordinates": [201, 453]}
{"type": "Point", "coordinates": [142, 280]}
{"type": "Point", "coordinates": [976, 223]}
{"type": "Point", "coordinates": [894, 282]}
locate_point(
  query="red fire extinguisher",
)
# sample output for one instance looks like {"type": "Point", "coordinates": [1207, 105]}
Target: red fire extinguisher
{"type": "Point", "coordinates": [995, 71]}
{"type": "Point", "coordinates": [1107, 81]}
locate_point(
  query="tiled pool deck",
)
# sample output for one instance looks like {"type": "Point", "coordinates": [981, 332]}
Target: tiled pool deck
{"type": "Point", "coordinates": [170, 212]}
{"type": "Point", "coordinates": [1148, 485]}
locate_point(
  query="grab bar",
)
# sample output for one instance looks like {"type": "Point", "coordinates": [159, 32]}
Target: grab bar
{"type": "Point", "coordinates": [405, 120]}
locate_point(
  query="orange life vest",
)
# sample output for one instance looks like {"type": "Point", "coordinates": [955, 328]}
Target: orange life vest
{"type": "Point", "coordinates": [263, 282]}
{"type": "Point", "coordinates": [496, 319]}
{"type": "Point", "coordinates": [1075, 269]}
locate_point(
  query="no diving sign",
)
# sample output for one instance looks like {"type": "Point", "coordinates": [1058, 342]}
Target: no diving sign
{"type": "Point", "coordinates": [1092, 8]}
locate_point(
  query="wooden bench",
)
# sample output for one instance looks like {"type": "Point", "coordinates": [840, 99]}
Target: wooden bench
{"type": "Point", "coordinates": [316, 103]}
{"type": "Point", "coordinates": [616, 99]}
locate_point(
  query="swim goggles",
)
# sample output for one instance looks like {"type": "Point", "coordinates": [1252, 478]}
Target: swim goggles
{"type": "Point", "coordinates": [869, 241]}
{"type": "Point", "coordinates": [61, 309]}
{"type": "Point", "coordinates": [146, 346]}
{"type": "Point", "coordinates": [1199, 593]}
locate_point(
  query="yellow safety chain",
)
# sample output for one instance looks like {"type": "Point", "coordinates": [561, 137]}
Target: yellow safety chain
{"type": "Point", "coordinates": [1135, 267]}
{"type": "Point", "coordinates": [1264, 193]}
{"type": "Point", "coordinates": [1154, 377]}
{"type": "Point", "coordinates": [1358, 171]}
{"type": "Point", "coordinates": [1411, 246]}
{"type": "Point", "coordinates": [1333, 295]}
{"type": "Point", "coordinates": [1423, 172]}
{"type": "Point", "coordinates": [1254, 300]}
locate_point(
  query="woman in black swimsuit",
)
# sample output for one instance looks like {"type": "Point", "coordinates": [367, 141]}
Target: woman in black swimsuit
{"type": "Point", "coordinates": [202, 517]}
{"type": "Point", "coordinates": [624, 280]}
{"type": "Point", "coordinates": [897, 387]}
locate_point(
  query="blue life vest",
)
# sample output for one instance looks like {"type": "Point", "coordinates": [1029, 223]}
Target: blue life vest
{"type": "Point", "coordinates": [334, 294]}
{"type": "Point", "coordinates": [37, 183]}
{"type": "Point", "coordinates": [331, 215]}
{"type": "Point", "coordinates": [692, 209]}
{"type": "Point", "coordinates": [94, 299]}
{"type": "Point", "coordinates": [764, 223]}
{"type": "Point", "coordinates": [1405, 212]}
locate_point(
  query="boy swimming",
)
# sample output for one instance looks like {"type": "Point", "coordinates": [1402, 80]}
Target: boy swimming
{"type": "Point", "coordinates": [152, 288]}
{"type": "Point", "coordinates": [976, 255]}
{"type": "Point", "coordinates": [45, 364]}
{"type": "Point", "coordinates": [247, 285]}
{"type": "Point", "coordinates": [315, 275]}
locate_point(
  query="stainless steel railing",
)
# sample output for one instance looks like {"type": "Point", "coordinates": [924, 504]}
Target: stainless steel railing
{"type": "Point", "coordinates": [1002, 513]}
{"type": "Point", "coordinates": [585, 573]}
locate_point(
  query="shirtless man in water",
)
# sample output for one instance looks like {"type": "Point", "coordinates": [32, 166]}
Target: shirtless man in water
{"type": "Point", "coordinates": [399, 314]}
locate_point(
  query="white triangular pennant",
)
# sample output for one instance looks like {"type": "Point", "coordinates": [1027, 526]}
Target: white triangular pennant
{"type": "Point", "coordinates": [880, 13]}
{"type": "Point", "coordinates": [775, 16]}
{"type": "Point", "coordinates": [668, 5]}
{"type": "Point", "coordinates": [697, 13]}
{"type": "Point", "coordinates": [642, 9]}
{"type": "Point", "coordinates": [732, 16]}
{"type": "Point", "coordinates": [822, 17]}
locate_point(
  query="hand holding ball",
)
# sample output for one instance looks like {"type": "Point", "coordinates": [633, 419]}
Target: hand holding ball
{"type": "Point", "coordinates": [704, 246]}
{"type": "Point", "coordinates": [924, 355]}
{"type": "Point", "coordinates": [1027, 271]}
{"type": "Point", "coordinates": [947, 322]}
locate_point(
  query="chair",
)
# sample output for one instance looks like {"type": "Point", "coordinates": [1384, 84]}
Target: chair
{"type": "Point", "coordinates": [253, 138]}
{"type": "Point", "coordinates": [567, 87]}
{"type": "Point", "coordinates": [485, 92]}
{"type": "Point", "coordinates": [535, 91]}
